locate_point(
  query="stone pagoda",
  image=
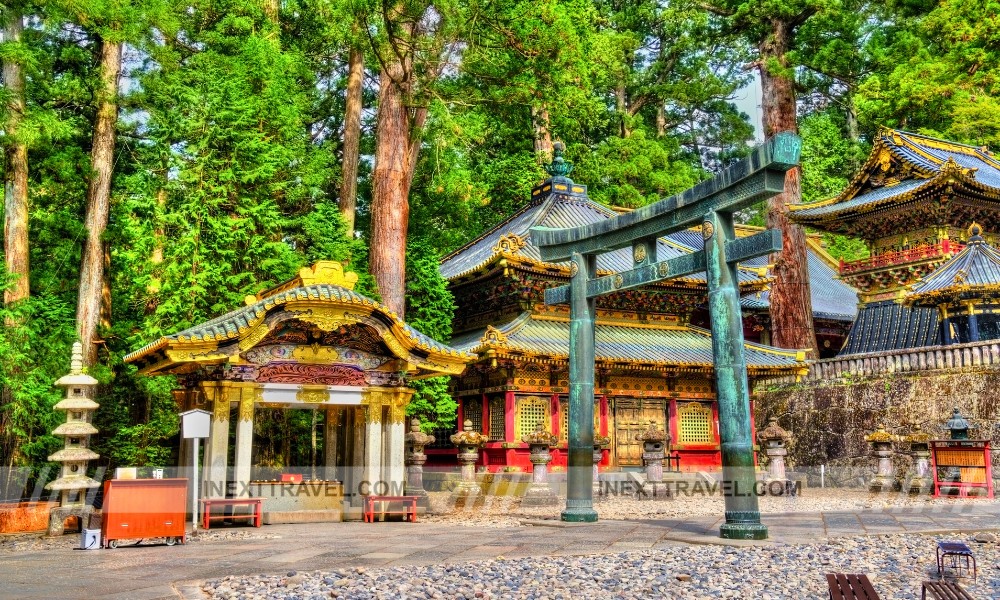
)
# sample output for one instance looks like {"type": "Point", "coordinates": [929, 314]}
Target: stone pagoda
{"type": "Point", "coordinates": [73, 482]}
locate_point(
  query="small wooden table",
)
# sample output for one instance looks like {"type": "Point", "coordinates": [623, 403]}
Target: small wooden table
{"type": "Point", "coordinates": [956, 551]}
{"type": "Point", "coordinates": [408, 510]}
{"type": "Point", "coordinates": [255, 503]}
{"type": "Point", "coordinates": [849, 586]}
{"type": "Point", "coordinates": [944, 590]}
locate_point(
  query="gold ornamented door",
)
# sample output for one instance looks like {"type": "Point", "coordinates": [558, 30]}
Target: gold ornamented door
{"type": "Point", "coordinates": [632, 417]}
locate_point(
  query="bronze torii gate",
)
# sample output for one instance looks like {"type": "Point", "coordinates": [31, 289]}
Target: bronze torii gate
{"type": "Point", "coordinates": [712, 203]}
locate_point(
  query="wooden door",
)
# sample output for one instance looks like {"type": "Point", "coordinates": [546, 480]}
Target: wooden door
{"type": "Point", "coordinates": [632, 417]}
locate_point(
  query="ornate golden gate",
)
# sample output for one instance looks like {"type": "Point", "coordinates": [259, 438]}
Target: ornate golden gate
{"type": "Point", "coordinates": [632, 416]}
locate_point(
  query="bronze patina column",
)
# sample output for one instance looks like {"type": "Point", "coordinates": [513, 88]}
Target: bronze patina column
{"type": "Point", "coordinates": [580, 459]}
{"type": "Point", "coordinates": [738, 474]}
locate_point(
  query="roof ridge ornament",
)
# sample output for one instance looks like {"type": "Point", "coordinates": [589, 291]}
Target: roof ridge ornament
{"type": "Point", "coordinates": [559, 167]}
{"type": "Point", "coordinates": [975, 233]}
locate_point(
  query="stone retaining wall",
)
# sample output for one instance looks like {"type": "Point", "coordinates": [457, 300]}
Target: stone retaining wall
{"type": "Point", "coordinates": [830, 415]}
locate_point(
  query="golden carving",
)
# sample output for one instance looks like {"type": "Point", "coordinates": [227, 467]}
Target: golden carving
{"type": "Point", "coordinates": [359, 416]}
{"type": "Point", "coordinates": [255, 336]}
{"type": "Point", "coordinates": [619, 281]}
{"type": "Point", "coordinates": [494, 337]}
{"type": "Point", "coordinates": [330, 272]}
{"type": "Point", "coordinates": [573, 269]}
{"type": "Point", "coordinates": [327, 319]}
{"type": "Point", "coordinates": [313, 395]}
{"type": "Point", "coordinates": [221, 407]}
{"type": "Point", "coordinates": [246, 408]}
{"type": "Point", "coordinates": [397, 412]}
{"type": "Point", "coordinates": [662, 269]}
{"type": "Point", "coordinates": [707, 230]}
{"type": "Point", "coordinates": [374, 414]}
{"type": "Point", "coordinates": [509, 243]}
{"type": "Point", "coordinates": [639, 253]}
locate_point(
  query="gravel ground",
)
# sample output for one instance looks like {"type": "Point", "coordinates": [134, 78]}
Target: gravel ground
{"type": "Point", "coordinates": [506, 511]}
{"type": "Point", "coordinates": [896, 564]}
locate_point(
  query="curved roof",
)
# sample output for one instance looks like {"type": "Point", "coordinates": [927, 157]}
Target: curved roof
{"type": "Point", "coordinates": [313, 298]}
{"type": "Point", "coordinates": [972, 273]}
{"type": "Point", "coordinates": [832, 299]}
{"type": "Point", "coordinates": [902, 168]}
{"type": "Point", "coordinates": [651, 345]}
{"type": "Point", "coordinates": [557, 209]}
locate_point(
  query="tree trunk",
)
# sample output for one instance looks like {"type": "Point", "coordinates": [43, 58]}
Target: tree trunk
{"type": "Point", "coordinates": [621, 105]}
{"type": "Point", "coordinates": [791, 302]}
{"type": "Point", "coordinates": [15, 191]}
{"type": "Point", "coordinates": [352, 139]}
{"type": "Point", "coordinates": [92, 275]}
{"type": "Point", "coordinates": [661, 120]}
{"type": "Point", "coordinates": [398, 132]}
{"type": "Point", "coordinates": [543, 135]}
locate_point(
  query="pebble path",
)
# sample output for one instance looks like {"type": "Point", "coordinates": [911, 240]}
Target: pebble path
{"type": "Point", "coordinates": [896, 564]}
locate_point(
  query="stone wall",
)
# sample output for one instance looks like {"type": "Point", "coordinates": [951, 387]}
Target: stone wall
{"type": "Point", "coordinates": [829, 418]}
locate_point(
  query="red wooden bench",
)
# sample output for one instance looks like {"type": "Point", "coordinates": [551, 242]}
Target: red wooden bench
{"type": "Point", "coordinates": [256, 514]}
{"type": "Point", "coordinates": [848, 586]}
{"type": "Point", "coordinates": [408, 508]}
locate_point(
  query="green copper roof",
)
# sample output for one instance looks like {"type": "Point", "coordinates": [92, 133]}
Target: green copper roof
{"type": "Point", "coordinates": [969, 274]}
{"type": "Point", "coordinates": [902, 168]}
{"type": "Point", "coordinates": [232, 324]}
{"type": "Point", "coordinates": [668, 346]}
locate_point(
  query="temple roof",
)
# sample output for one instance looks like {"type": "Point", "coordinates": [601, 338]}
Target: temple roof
{"type": "Point", "coordinates": [314, 296]}
{"type": "Point", "coordinates": [972, 273]}
{"type": "Point", "coordinates": [620, 343]}
{"type": "Point", "coordinates": [831, 298]}
{"type": "Point", "coordinates": [904, 168]}
{"type": "Point", "coordinates": [559, 208]}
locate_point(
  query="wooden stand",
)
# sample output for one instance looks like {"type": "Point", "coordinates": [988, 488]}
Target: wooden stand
{"type": "Point", "coordinates": [961, 464]}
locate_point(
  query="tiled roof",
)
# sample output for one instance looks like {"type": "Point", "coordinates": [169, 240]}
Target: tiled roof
{"type": "Point", "coordinates": [619, 342]}
{"type": "Point", "coordinates": [931, 163]}
{"type": "Point", "coordinates": [234, 323]}
{"type": "Point", "coordinates": [975, 269]}
{"type": "Point", "coordinates": [888, 325]}
{"type": "Point", "coordinates": [556, 210]}
{"type": "Point", "coordinates": [831, 298]}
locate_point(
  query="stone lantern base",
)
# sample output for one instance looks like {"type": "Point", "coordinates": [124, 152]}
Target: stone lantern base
{"type": "Point", "coordinates": [58, 516]}
{"type": "Point", "coordinates": [539, 495]}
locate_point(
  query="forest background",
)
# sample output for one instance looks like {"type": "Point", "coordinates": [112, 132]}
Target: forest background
{"type": "Point", "coordinates": [162, 159]}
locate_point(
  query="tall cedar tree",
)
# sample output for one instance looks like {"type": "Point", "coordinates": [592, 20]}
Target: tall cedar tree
{"type": "Point", "coordinates": [771, 28]}
{"type": "Point", "coordinates": [15, 189]}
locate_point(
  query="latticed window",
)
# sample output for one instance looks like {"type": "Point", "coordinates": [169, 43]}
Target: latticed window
{"type": "Point", "coordinates": [473, 412]}
{"type": "Point", "coordinates": [530, 411]}
{"type": "Point", "coordinates": [564, 419]}
{"type": "Point", "coordinates": [694, 423]}
{"type": "Point", "coordinates": [498, 421]}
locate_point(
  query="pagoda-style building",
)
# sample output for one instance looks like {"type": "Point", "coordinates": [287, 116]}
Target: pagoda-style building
{"type": "Point", "coordinates": [653, 362]}
{"type": "Point", "coordinates": [912, 203]}
{"type": "Point", "coordinates": [311, 343]}
{"type": "Point", "coordinates": [965, 291]}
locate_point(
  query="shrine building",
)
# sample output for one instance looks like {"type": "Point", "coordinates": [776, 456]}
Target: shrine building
{"type": "Point", "coordinates": [914, 203]}
{"type": "Point", "coordinates": [653, 351]}
{"type": "Point", "coordinates": [309, 343]}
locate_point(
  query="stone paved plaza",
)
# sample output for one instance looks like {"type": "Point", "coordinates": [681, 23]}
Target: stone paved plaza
{"type": "Point", "coordinates": [526, 557]}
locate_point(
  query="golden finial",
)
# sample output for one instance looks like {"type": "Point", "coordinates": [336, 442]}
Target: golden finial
{"type": "Point", "coordinates": [975, 232]}
{"type": "Point", "coordinates": [330, 272]}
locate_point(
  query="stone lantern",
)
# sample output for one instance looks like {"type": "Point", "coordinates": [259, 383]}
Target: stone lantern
{"type": "Point", "coordinates": [600, 443]}
{"type": "Point", "coordinates": [881, 441]}
{"type": "Point", "coordinates": [774, 438]}
{"type": "Point", "coordinates": [957, 425]}
{"type": "Point", "coordinates": [921, 451]}
{"type": "Point", "coordinates": [654, 450]}
{"type": "Point", "coordinates": [469, 442]}
{"type": "Point", "coordinates": [73, 482]}
{"type": "Point", "coordinates": [539, 441]}
{"type": "Point", "coordinates": [414, 460]}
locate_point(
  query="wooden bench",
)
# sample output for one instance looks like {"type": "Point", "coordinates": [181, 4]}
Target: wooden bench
{"type": "Point", "coordinates": [256, 514]}
{"type": "Point", "coordinates": [847, 586]}
{"type": "Point", "coordinates": [408, 509]}
{"type": "Point", "coordinates": [944, 590]}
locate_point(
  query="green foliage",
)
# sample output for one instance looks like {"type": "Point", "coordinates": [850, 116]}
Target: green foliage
{"type": "Point", "coordinates": [429, 309]}
{"type": "Point", "coordinates": [634, 171]}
